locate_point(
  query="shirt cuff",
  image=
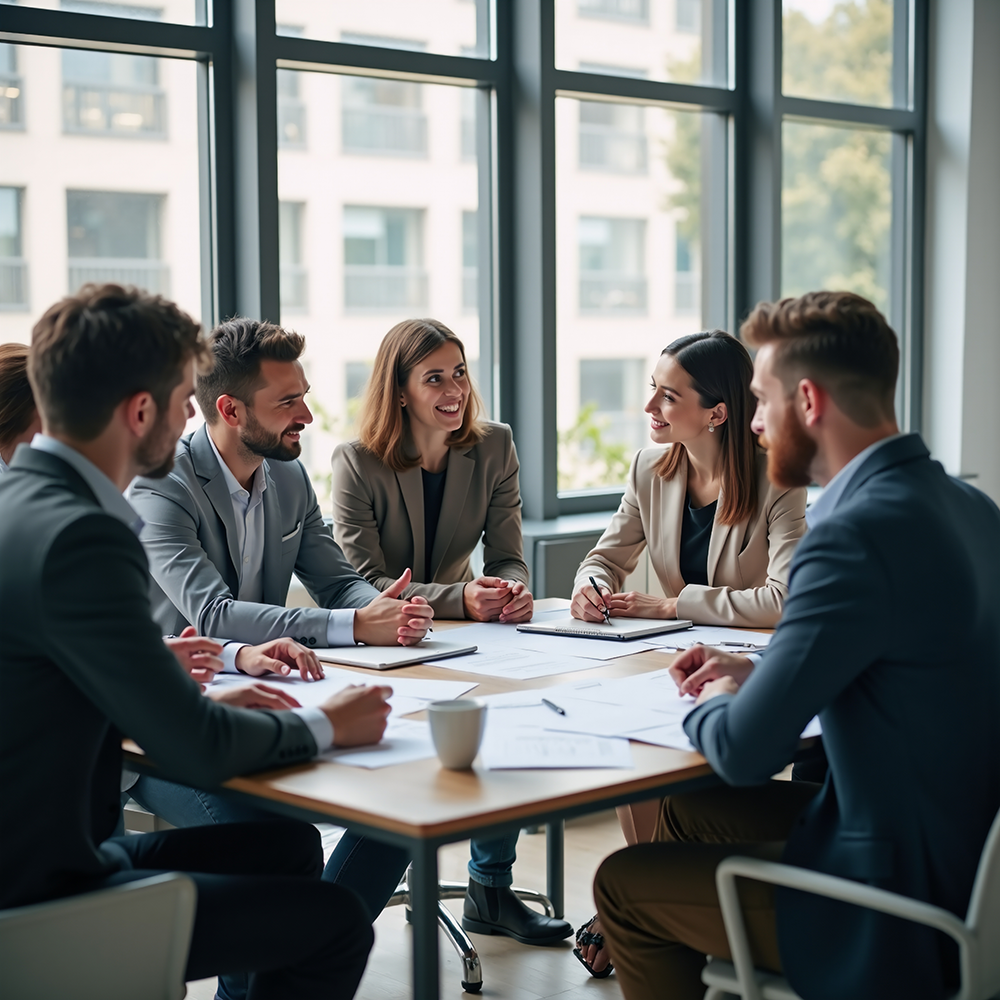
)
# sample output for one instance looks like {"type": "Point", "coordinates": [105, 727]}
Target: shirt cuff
{"type": "Point", "coordinates": [319, 725]}
{"type": "Point", "coordinates": [228, 656]}
{"type": "Point", "coordinates": [340, 627]}
{"type": "Point", "coordinates": [754, 658]}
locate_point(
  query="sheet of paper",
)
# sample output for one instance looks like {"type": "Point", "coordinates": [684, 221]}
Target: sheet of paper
{"type": "Point", "coordinates": [733, 640]}
{"type": "Point", "coordinates": [516, 664]}
{"type": "Point", "coordinates": [530, 749]}
{"type": "Point", "coordinates": [405, 740]}
{"type": "Point", "coordinates": [492, 636]}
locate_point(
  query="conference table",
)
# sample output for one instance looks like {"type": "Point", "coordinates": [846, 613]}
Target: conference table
{"type": "Point", "coordinates": [422, 806]}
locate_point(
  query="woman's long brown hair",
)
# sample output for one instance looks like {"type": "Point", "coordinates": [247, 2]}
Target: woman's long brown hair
{"type": "Point", "coordinates": [720, 369]}
{"type": "Point", "coordinates": [384, 424]}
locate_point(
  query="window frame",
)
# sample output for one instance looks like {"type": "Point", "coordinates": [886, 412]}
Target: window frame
{"type": "Point", "coordinates": [238, 49]}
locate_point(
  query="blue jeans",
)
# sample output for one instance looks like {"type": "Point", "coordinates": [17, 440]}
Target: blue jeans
{"type": "Point", "coordinates": [492, 860]}
{"type": "Point", "coordinates": [372, 869]}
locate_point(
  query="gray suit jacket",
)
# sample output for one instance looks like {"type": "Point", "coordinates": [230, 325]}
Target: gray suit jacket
{"type": "Point", "coordinates": [190, 538]}
{"type": "Point", "coordinates": [81, 663]}
{"type": "Point", "coordinates": [379, 519]}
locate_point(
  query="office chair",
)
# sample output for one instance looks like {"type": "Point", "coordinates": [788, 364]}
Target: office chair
{"type": "Point", "coordinates": [977, 936]}
{"type": "Point", "coordinates": [129, 942]}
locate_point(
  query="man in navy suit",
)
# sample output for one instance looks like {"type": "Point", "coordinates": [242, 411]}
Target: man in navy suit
{"type": "Point", "coordinates": [891, 634]}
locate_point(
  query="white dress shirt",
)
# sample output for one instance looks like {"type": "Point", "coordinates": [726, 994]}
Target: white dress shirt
{"type": "Point", "coordinates": [248, 511]}
{"type": "Point", "coordinates": [3, 466]}
{"type": "Point", "coordinates": [113, 503]}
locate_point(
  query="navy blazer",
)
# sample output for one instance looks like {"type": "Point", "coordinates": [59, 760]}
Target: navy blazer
{"type": "Point", "coordinates": [891, 633]}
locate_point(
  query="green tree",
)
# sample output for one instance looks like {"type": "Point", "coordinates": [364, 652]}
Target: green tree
{"type": "Point", "coordinates": [587, 459]}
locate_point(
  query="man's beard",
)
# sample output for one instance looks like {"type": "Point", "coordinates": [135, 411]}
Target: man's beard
{"type": "Point", "coordinates": [790, 455]}
{"type": "Point", "coordinates": [258, 441]}
{"type": "Point", "coordinates": [155, 454]}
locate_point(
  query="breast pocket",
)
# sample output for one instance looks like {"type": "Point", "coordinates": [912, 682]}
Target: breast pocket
{"type": "Point", "coordinates": [292, 534]}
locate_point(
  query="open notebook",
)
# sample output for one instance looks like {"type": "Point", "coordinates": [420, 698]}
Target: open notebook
{"type": "Point", "coordinates": [620, 629]}
{"type": "Point", "coordinates": [387, 657]}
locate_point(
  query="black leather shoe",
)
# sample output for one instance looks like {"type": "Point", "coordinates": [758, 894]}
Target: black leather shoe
{"type": "Point", "coordinates": [498, 911]}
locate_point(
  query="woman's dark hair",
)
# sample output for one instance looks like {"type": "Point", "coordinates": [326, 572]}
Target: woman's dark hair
{"type": "Point", "coordinates": [17, 403]}
{"type": "Point", "coordinates": [720, 369]}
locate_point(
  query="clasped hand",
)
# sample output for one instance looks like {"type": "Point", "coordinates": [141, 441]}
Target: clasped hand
{"type": "Point", "coordinates": [492, 599]}
{"type": "Point", "coordinates": [388, 620]}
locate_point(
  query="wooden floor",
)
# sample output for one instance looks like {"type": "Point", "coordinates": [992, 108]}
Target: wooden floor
{"type": "Point", "coordinates": [510, 970]}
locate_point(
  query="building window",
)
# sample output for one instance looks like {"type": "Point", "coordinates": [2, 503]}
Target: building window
{"type": "Point", "coordinates": [612, 265]}
{"type": "Point", "coordinates": [687, 280]}
{"type": "Point", "coordinates": [467, 96]}
{"type": "Point", "coordinates": [294, 277]}
{"type": "Point", "coordinates": [383, 259]}
{"type": "Point", "coordinates": [111, 93]}
{"type": "Point", "coordinates": [620, 10]}
{"type": "Point", "coordinates": [470, 261]}
{"type": "Point", "coordinates": [689, 17]}
{"type": "Point", "coordinates": [613, 137]}
{"type": "Point", "coordinates": [13, 266]}
{"type": "Point", "coordinates": [291, 111]}
{"type": "Point", "coordinates": [115, 236]}
{"type": "Point", "coordinates": [356, 375]}
{"type": "Point", "coordinates": [11, 89]}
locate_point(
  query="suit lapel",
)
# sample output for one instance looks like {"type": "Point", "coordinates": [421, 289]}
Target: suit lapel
{"type": "Point", "coordinates": [272, 544]}
{"type": "Point", "coordinates": [411, 486]}
{"type": "Point", "coordinates": [213, 482]}
{"type": "Point", "coordinates": [674, 497]}
{"type": "Point", "coordinates": [461, 467]}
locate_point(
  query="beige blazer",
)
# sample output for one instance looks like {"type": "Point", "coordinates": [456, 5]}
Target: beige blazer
{"type": "Point", "coordinates": [748, 563]}
{"type": "Point", "coordinates": [378, 519]}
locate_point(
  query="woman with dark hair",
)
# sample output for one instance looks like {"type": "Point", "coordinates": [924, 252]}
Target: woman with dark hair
{"type": "Point", "coordinates": [19, 419]}
{"type": "Point", "coordinates": [427, 479]}
{"type": "Point", "coordinates": [720, 536]}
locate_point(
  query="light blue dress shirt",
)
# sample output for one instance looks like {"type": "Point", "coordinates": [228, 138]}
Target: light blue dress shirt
{"type": "Point", "coordinates": [113, 503]}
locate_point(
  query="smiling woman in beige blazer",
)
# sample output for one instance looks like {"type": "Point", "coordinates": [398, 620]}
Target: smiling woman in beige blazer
{"type": "Point", "coordinates": [720, 536]}
{"type": "Point", "coordinates": [427, 479]}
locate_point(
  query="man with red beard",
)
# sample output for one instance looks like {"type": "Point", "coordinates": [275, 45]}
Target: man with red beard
{"type": "Point", "coordinates": [893, 675]}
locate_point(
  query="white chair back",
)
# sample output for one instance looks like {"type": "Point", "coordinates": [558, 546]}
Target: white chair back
{"type": "Point", "coordinates": [129, 942]}
{"type": "Point", "coordinates": [983, 917]}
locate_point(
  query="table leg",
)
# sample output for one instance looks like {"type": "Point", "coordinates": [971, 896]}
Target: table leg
{"type": "Point", "coordinates": [555, 864]}
{"type": "Point", "coordinates": [423, 888]}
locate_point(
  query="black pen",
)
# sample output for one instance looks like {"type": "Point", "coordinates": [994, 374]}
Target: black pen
{"type": "Point", "coordinates": [607, 617]}
{"type": "Point", "coordinates": [553, 706]}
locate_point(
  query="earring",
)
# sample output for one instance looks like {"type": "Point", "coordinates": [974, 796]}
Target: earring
{"type": "Point", "coordinates": [711, 427]}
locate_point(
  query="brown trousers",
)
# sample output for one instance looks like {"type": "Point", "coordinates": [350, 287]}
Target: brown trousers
{"type": "Point", "coordinates": [658, 903]}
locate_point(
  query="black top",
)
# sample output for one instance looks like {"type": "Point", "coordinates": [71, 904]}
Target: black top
{"type": "Point", "coordinates": [696, 532]}
{"type": "Point", "coordinates": [433, 495]}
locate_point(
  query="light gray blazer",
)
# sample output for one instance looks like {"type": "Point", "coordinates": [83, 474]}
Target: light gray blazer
{"type": "Point", "coordinates": [379, 519]}
{"type": "Point", "coordinates": [190, 540]}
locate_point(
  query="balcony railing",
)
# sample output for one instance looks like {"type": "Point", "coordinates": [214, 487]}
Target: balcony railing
{"type": "Point", "coordinates": [294, 288]}
{"type": "Point", "coordinates": [152, 275]}
{"type": "Point", "coordinates": [114, 110]}
{"type": "Point", "coordinates": [627, 10]}
{"type": "Point", "coordinates": [470, 289]}
{"type": "Point", "coordinates": [13, 283]}
{"type": "Point", "coordinates": [604, 148]}
{"type": "Point", "coordinates": [379, 288]}
{"type": "Point", "coordinates": [11, 102]}
{"type": "Point", "coordinates": [606, 292]}
{"type": "Point", "coordinates": [687, 292]}
{"type": "Point", "coordinates": [291, 123]}
{"type": "Point", "coordinates": [385, 131]}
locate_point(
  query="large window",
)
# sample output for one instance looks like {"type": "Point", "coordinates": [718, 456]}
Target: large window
{"type": "Point", "coordinates": [569, 195]}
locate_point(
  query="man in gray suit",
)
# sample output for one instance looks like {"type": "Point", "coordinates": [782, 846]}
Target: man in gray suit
{"type": "Point", "coordinates": [81, 662]}
{"type": "Point", "coordinates": [224, 532]}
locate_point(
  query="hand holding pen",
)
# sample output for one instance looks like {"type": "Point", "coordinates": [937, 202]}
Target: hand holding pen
{"type": "Point", "coordinates": [604, 608]}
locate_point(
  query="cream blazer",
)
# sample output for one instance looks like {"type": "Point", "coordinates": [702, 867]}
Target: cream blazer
{"type": "Point", "coordinates": [748, 563]}
{"type": "Point", "coordinates": [378, 519]}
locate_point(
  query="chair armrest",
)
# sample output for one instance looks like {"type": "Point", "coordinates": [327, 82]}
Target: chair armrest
{"type": "Point", "coordinates": [832, 887]}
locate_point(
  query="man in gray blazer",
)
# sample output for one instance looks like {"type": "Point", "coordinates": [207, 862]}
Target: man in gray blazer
{"type": "Point", "coordinates": [225, 530]}
{"type": "Point", "coordinates": [82, 662]}
{"type": "Point", "coordinates": [891, 634]}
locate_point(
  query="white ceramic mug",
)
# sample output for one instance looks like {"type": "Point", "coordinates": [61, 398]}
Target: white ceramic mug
{"type": "Point", "coordinates": [457, 730]}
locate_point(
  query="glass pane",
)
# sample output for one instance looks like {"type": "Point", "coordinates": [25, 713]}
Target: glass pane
{"type": "Point", "coordinates": [836, 211]}
{"type": "Point", "coordinates": [174, 11]}
{"type": "Point", "coordinates": [628, 259]}
{"type": "Point", "coordinates": [678, 40]}
{"type": "Point", "coordinates": [97, 198]}
{"type": "Point", "coordinates": [378, 224]}
{"type": "Point", "coordinates": [445, 27]}
{"type": "Point", "coordinates": [838, 50]}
